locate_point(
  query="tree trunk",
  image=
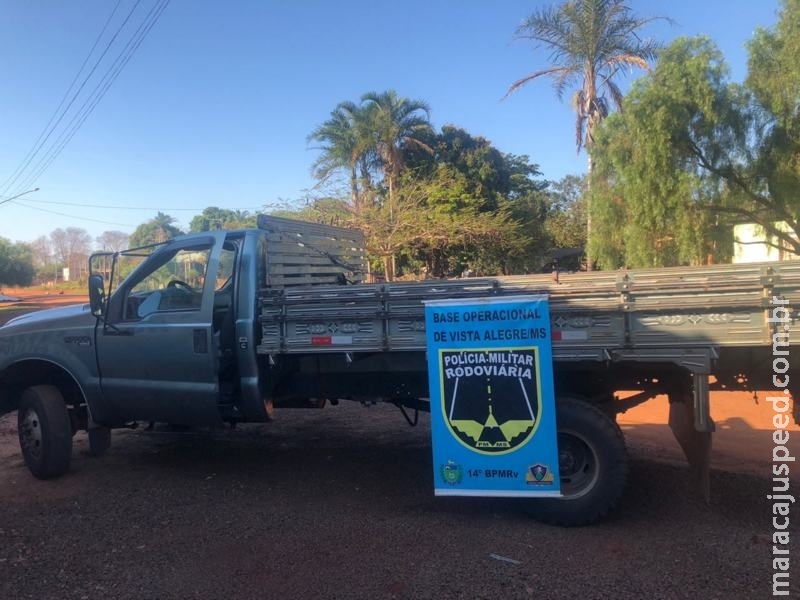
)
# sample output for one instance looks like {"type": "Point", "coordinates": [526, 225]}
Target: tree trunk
{"type": "Point", "coordinates": [589, 259]}
{"type": "Point", "coordinates": [388, 267]}
{"type": "Point", "coordinates": [354, 191]}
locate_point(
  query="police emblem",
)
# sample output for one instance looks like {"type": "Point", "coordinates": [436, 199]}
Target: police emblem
{"type": "Point", "coordinates": [451, 473]}
{"type": "Point", "coordinates": [539, 475]}
{"type": "Point", "coordinates": [490, 397]}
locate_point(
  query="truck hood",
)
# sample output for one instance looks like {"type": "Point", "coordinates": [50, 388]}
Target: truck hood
{"type": "Point", "coordinates": [45, 318]}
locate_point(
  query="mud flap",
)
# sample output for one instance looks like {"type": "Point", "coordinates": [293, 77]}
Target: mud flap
{"type": "Point", "coordinates": [99, 440]}
{"type": "Point", "coordinates": [696, 445]}
{"type": "Point", "coordinates": [99, 436]}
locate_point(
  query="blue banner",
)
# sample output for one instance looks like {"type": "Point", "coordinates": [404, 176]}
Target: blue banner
{"type": "Point", "coordinates": [490, 368]}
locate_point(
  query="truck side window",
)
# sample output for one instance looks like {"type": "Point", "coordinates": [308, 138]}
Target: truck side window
{"type": "Point", "coordinates": [225, 268]}
{"type": "Point", "coordinates": [176, 283]}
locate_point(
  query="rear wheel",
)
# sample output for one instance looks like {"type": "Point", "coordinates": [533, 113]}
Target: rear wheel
{"type": "Point", "coordinates": [592, 463]}
{"type": "Point", "coordinates": [45, 431]}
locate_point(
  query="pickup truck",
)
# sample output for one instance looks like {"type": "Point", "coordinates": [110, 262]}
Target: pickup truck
{"type": "Point", "coordinates": [226, 327]}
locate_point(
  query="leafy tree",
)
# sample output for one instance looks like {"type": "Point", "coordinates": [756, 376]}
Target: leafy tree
{"type": "Point", "coordinates": [607, 246]}
{"type": "Point", "coordinates": [16, 263]}
{"type": "Point", "coordinates": [43, 259]}
{"type": "Point", "coordinates": [566, 212]}
{"type": "Point", "coordinates": [769, 190]}
{"type": "Point", "coordinates": [68, 242]}
{"type": "Point", "coordinates": [213, 217]}
{"type": "Point", "coordinates": [774, 66]}
{"type": "Point", "coordinates": [113, 241]}
{"type": "Point", "coordinates": [659, 186]}
{"type": "Point", "coordinates": [330, 211]}
{"type": "Point", "coordinates": [487, 171]}
{"type": "Point", "coordinates": [591, 42]}
{"type": "Point", "coordinates": [442, 226]}
{"type": "Point", "coordinates": [72, 247]}
{"type": "Point", "coordinates": [481, 209]}
{"type": "Point", "coordinates": [42, 251]}
{"type": "Point", "coordinates": [714, 154]}
{"type": "Point", "coordinates": [158, 229]}
{"type": "Point", "coordinates": [505, 190]}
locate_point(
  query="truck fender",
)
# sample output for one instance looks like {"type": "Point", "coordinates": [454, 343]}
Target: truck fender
{"type": "Point", "coordinates": [77, 386]}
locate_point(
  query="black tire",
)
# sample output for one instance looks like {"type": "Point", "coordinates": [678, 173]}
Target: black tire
{"type": "Point", "coordinates": [45, 431]}
{"type": "Point", "coordinates": [593, 464]}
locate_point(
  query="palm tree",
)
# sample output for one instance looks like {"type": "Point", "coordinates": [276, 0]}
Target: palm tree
{"type": "Point", "coordinates": [397, 124]}
{"type": "Point", "coordinates": [346, 142]}
{"type": "Point", "coordinates": [158, 229]}
{"type": "Point", "coordinates": [371, 138]}
{"type": "Point", "coordinates": [164, 227]}
{"type": "Point", "coordinates": [591, 42]}
{"type": "Point", "coordinates": [338, 141]}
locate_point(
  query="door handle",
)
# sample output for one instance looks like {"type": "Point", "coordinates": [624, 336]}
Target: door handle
{"type": "Point", "coordinates": [111, 330]}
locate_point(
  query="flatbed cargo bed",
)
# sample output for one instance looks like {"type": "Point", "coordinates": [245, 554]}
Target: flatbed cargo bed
{"type": "Point", "coordinates": [593, 315]}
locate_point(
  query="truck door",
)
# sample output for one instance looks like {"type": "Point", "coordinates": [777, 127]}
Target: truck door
{"type": "Point", "coordinates": [156, 353]}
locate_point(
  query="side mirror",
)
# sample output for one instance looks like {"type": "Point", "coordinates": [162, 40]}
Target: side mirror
{"type": "Point", "coordinates": [97, 294]}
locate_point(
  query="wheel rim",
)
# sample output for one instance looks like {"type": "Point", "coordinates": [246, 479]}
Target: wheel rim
{"type": "Point", "coordinates": [30, 434]}
{"type": "Point", "coordinates": [577, 464]}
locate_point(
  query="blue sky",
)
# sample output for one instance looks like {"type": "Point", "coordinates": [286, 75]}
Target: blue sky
{"type": "Point", "coordinates": [215, 106]}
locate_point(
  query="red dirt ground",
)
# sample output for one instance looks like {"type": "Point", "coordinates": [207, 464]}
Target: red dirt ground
{"type": "Point", "coordinates": [742, 443]}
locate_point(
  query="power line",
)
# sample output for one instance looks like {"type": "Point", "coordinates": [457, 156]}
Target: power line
{"type": "Point", "coordinates": [60, 214]}
{"type": "Point", "coordinates": [162, 208]}
{"type": "Point", "coordinates": [37, 146]}
{"type": "Point", "coordinates": [29, 156]}
{"type": "Point", "coordinates": [99, 91]}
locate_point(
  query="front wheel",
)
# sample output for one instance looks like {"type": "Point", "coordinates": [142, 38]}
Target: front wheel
{"type": "Point", "coordinates": [593, 465]}
{"type": "Point", "coordinates": [45, 431]}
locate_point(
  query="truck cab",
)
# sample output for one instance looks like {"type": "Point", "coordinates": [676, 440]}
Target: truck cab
{"type": "Point", "coordinates": [169, 336]}
{"type": "Point", "coordinates": [174, 340]}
